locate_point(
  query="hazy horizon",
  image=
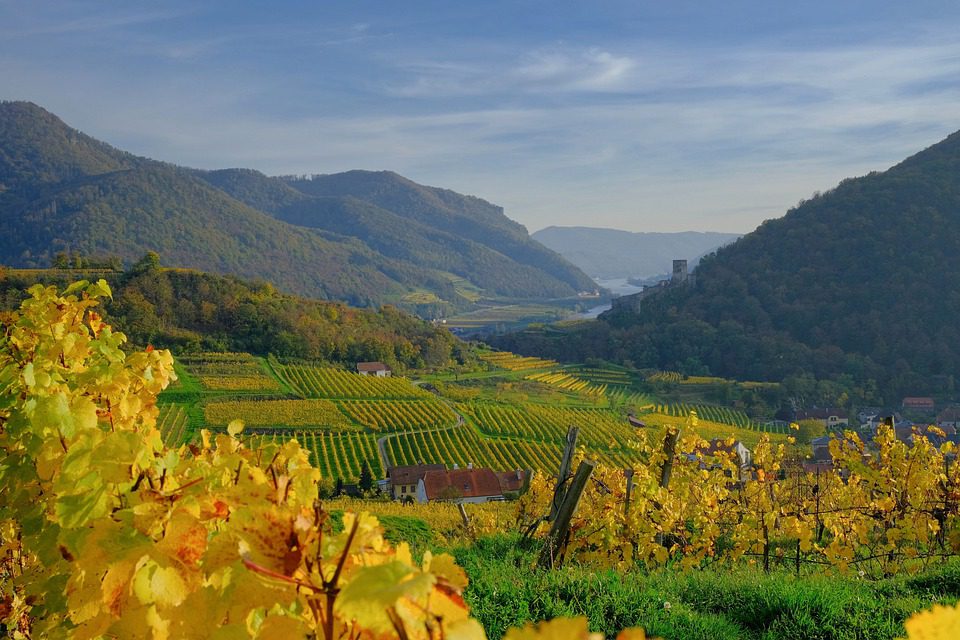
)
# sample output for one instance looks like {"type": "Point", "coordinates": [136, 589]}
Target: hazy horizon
{"type": "Point", "coordinates": [658, 118]}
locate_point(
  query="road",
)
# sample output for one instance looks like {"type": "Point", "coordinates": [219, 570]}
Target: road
{"type": "Point", "coordinates": [382, 441]}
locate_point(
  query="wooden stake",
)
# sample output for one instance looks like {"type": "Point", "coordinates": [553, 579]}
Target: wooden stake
{"type": "Point", "coordinates": [565, 463]}
{"type": "Point", "coordinates": [561, 526]}
{"type": "Point", "coordinates": [669, 450]}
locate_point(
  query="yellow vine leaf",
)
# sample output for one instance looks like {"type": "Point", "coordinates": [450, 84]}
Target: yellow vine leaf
{"type": "Point", "coordinates": [939, 623]}
{"type": "Point", "coordinates": [373, 591]}
{"type": "Point", "coordinates": [556, 629]}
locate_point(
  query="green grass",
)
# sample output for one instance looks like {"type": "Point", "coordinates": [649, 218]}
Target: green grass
{"type": "Point", "coordinates": [720, 604]}
{"type": "Point", "coordinates": [396, 529]}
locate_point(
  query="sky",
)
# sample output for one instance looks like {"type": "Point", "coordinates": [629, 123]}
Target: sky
{"type": "Point", "coordinates": [643, 115]}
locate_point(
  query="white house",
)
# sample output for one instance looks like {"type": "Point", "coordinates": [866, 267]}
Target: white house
{"type": "Point", "coordinates": [377, 369]}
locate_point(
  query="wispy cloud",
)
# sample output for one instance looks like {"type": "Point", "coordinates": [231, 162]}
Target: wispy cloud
{"type": "Point", "coordinates": [554, 69]}
{"type": "Point", "coordinates": [57, 23]}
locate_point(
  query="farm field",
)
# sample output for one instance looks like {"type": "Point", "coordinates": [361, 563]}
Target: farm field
{"type": "Point", "coordinates": [230, 372]}
{"type": "Point", "coordinates": [517, 417]}
{"type": "Point", "coordinates": [337, 455]}
{"type": "Point", "coordinates": [505, 316]}
{"type": "Point", "coordinates": [172, 423]}
{"type": "Point", "coordinates": [325, 382]}
{"type": "Point", "coordinates": [321, 414]}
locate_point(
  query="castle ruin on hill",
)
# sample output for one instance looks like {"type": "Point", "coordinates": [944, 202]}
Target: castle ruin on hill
{"type": "Point", "coordinates": [680, 277]}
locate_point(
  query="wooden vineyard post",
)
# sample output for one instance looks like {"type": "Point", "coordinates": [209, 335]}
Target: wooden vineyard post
{"type": "Point", "coordinates": [565, 463]}
{"type": "Point", "coordinates": [463, 515]}
{"type": "Point", "coordinates": [561, 526]}
{"type": "Point", "coordinates": [669, 450]}
{"type": "Point", "coordinates": [628, 473]}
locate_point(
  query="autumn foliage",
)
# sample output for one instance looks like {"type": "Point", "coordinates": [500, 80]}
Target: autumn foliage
{"type": "Point", "coordinates": [107, 532]}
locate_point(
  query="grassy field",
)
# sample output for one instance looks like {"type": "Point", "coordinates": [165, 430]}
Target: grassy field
{"type": "Point", "coordinates": [713, 604]}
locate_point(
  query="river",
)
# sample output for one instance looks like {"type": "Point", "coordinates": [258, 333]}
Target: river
{"type": "Point", "coordinates": [616, 286]}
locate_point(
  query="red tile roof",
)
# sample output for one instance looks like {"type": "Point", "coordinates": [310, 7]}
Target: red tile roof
{"type": "Point", "coordinates": [461, 483]}
{"type": "Point", "coordinates": [918, 403]}
{"type": "Point", "coordinates": [511, 480]}
{"type": "Point", "coordinates": [372, 366]}
{"type": "Point", "coordinates": [411, 474]}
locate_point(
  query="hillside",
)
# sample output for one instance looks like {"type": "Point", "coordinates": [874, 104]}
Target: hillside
{"type": "Point", "coordinates": [400, 219]}
{"type": "Point", "coordinates": [187, 311]}
{"type": "Point", "coordinates": [611, 253]}
{"type": "Point", "coordinates": [61, 190]}
{"type": "Point", "coordinates": [856, 284]}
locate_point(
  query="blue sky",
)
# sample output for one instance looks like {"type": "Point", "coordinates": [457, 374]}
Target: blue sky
{"type": "Point", "coordinates": [643, 115]}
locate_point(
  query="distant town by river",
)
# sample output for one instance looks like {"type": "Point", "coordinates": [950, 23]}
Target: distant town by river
{"type": "Point", "coordinates": [616, 286]}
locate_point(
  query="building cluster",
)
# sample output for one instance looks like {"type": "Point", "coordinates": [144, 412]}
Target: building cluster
{"type": "Point", "coordinates": [434, 482]}
{"type": "Point", "coordinates": [916, 416]}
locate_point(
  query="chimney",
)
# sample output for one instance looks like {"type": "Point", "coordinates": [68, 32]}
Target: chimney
{"type": "Point", "coordinates": [469, 465]}
{"type": "Point", "coordinates": [455, 466]}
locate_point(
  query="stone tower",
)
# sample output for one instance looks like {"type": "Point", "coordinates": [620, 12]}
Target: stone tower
{"type": "Point", "coordinates": [679, 272]}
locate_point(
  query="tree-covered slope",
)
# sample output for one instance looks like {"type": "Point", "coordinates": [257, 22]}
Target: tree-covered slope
{"type": "Point", "coordinates": [863, 280]}
{"type": "Point", "coordinates": [365, 242]}
{"type": "Point", "coordinates": [418, 235]}
{"type": "Point", "coordinates": [463, 216]}
{"type": "Point", "coordinates": [66, 191]}
{"type": "Point", "coordinates": [188, 310]}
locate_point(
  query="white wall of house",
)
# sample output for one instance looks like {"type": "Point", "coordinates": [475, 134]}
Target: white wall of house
{"type": "Point", "coordinates": [421, 493]}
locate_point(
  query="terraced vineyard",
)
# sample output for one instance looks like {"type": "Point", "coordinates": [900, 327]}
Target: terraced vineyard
{"type": "Point", "coordinates": [399, 415]}
{"type": "Point", "coordinates": [229, 372]}
{"type": "Point", "coordinates": [321, 414]}
{"type": "Point", "coordinates": [567, 382]}
{"type": "Point", "coordinates": [722, 415]}
{"type": "Point", "coordinates": [464, 446]}
{"type": "Point", "coordinates": [172, 423]}
{"type": "Point", "coordinates": [338, 415]}
{"type": "Point", "coordinates": [633, 398]}
{"type": "Point", "coordinates": [665, 376]}
{"type": "Point", "coordinates": [600, 429]}
{"type": "Point", "coordinates": [513, 362]}
{"type": "Point", "coordinates": [317, 382]}
{"type": "Point", "coordinates": [609, 377]}
{"type": "Point", "coordinates": [337, 455]}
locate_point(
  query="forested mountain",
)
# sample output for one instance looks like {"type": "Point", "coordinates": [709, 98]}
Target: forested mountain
{"type": "Point", "coordinates": [187, 310]}
{"type": "Point", "coordinates": [860, 283]}
{"type": "Point", "coordinates": [433, 228]}
{"type": "Point", "coordinates": [611, 253]}
{"type": "Point", "coordinates": [363, 242]}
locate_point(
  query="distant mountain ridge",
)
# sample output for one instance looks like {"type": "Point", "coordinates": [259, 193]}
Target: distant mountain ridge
{"type": "Point", "coordinates": [612, 253]}
{"type": "Point", "coordinates": [363, 237]}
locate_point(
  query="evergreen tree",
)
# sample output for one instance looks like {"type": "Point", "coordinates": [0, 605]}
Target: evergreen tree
{"type": "Point", "coordinates": [366, 478]}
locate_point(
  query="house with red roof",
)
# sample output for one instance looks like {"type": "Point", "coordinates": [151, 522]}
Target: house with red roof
{"type": "Point", "coordinates": [469, 485]}
{"type": "Point", "coordinates": [403, 480]}
{"type": "Point", "coordinates": [376, 369]}
{"type": "Point", "coordinates": [919, 403]}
